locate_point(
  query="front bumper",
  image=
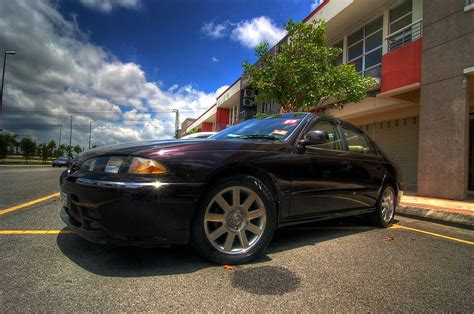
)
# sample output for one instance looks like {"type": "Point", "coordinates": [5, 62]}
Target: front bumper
{"type": "Point", "coordinates": [131, 213]}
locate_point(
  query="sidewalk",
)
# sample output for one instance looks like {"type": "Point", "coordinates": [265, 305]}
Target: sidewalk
{"type": "Point", "coordinates": [454, 212]}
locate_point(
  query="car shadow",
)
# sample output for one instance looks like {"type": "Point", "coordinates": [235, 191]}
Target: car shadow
{"type": "Point", "coordinates": [130, 261]}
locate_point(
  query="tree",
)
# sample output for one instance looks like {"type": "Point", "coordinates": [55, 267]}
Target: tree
{"type": "Point", "coordinates": [303, 75]}
{"type": "Point", "coordinates": [77, 149]}
{"type": "Point", "coordinates": [5, 142]}
{"type": "Point", "coordinates": [68, 150]}
{"type": "Point", "coordinates": [60, 151]}
{"type": "Point", "coordinates": [46, 150]}
{"type": "Point", "coordinates": [28, 146]}
{"type": "Point", "coordinates": [15, 143]}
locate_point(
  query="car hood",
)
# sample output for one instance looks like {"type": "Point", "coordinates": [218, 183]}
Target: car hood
{"type": "Point", "coordinates": [153, 149]}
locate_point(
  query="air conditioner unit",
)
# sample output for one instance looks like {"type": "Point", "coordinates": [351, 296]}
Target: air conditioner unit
{"type": "Point", "coordinates": [250, 93]}
{"type": "Point", "coordinates": [248, 102]}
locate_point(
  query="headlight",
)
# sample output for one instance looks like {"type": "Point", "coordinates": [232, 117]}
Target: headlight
{"type": "Point", "coordinates": [118, 164]}
{"type": "Point", "coordinates": [146, 166]}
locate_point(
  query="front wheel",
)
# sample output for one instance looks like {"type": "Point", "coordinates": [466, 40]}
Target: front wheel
{"type": "Point", "coordinates": [236, 221]}
{"type": "Point", "coordinates": [385, 209]}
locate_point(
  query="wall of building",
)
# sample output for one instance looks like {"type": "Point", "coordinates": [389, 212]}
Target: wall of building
{"type": "Point", "coordinates": [448, 48]}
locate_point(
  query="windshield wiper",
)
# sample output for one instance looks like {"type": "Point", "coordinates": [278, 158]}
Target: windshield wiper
{"type": "Point", "coordinates": [262, 136]}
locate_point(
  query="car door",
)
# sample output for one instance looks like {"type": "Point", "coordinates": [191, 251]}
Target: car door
{"type": "Point", "coordinates": [321, 174]}
{"type": "Point", "coordinates": [367, 166]}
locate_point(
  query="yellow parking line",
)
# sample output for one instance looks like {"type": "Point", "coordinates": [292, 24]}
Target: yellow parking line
{"type": "Point", "coordinates": [39, 200]}
{"type": "Point", "coordinates": [432, 234]}
{"type": "Point", "coordinates": [30, 232]}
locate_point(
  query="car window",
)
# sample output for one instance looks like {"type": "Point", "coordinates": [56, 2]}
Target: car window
{"type": "Point", "coordinates": [358, 142]}
{"type": "Point", "coordinates": [334, 140]}
{"type": "Point", "coordinates": [278, 126]}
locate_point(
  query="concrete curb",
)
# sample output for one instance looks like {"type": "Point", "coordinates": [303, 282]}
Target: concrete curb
{"type": "Point", "coordinates": [441, 216]}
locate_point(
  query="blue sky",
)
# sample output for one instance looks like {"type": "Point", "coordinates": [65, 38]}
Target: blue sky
{"type": "Point", "coordinates": [165, 36]}
{"type": "Point", "coordinates": [125, 64]}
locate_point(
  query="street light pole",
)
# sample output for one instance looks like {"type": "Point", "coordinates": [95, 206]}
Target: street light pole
{"type": "Point", "coordinates": [8, 52]}
{"type": "Point", "coordinates": [60, 131]}
{"type": "Point", "coordinates": [176, 123]}
{"type": "Point", "coordinates": [70, 133]}
{"type": "Point", "coordinates": [90, 132]}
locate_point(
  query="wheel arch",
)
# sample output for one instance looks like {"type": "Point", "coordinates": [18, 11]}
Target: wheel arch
{"type": "Point", "coordinates": [241, 169]}
{"type": "Point", "coordinates": [390, 179]}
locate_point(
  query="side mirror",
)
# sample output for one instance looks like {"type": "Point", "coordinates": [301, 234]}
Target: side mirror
{"type": "Point", "coordinates": [315, 137]}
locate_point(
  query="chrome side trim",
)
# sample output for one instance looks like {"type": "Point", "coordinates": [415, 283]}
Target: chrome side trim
{"type": "Point", "coordinates": [128, 185]}
{"type": "Point", "coordinates": [118, 184]}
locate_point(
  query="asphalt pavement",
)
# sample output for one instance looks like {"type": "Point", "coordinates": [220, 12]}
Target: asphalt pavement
{"type": "Point", "coordinates": [341, 265]}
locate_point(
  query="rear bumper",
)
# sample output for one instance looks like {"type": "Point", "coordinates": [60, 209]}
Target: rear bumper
{"type": "Point", "coordinates": [128, 214]}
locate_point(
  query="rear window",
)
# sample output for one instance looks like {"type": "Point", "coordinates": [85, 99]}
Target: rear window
{"type": "Point", "coordinates": [357, 142]}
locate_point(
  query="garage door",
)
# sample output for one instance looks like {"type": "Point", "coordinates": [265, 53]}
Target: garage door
{"type": "Point", "coordinates": [399, 140]}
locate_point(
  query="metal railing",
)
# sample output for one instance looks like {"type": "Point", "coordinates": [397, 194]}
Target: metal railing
{"type": "Point", "coordinates": [405, 35]}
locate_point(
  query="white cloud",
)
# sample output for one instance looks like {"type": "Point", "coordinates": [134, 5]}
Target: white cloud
{"type": "Point", "coordinates": [106, 6]}
{"type": "Point", "coordinates": [251, 33]}
{"type": "Point", "coordinates": [57, 73]}
{"type": "Point", "coordinates": [214, 59]}
{"type": "Point", "coordinates": [214, 30]}
{"type": "Point", "coordinates": [315, 4]}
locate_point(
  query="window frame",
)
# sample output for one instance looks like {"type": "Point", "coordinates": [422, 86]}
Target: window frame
{"type": "Point", "coordinates": [363, 40]}
{"type": "Point", "coordinates": [312, 124]}
{"type": "Point", "coordinates": [360, 132]}
{"type": "Point", "coordinates": [390, 23]}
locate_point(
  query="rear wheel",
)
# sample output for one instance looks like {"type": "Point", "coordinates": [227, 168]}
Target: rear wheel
{"type": "Point", "coordinates": [236, 222]}
{"type": "Point", "coordinates": [385, 209]}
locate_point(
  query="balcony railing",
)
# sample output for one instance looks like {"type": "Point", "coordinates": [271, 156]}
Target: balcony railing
{"type": "Point", "coordinates": [405, 35]}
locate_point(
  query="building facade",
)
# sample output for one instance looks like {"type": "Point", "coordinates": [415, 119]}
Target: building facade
{"type": "Point", "coordinates": [421, 53]}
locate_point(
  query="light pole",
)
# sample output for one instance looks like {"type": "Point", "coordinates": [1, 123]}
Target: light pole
{"type": "Point", "coordinates": [176, 123]}
{"type": "Point", "coordinates": [90, 132]}
{"type": "Point", "coordinates": [8, 52]}
{"type": "Point", "coordinates": [70, 133]}
{"type": "Point", "coordinates": [60, 131]}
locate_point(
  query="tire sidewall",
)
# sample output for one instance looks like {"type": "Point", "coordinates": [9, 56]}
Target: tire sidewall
{"type": "Point", "coordinates": [199, 239]}
{"type": "Point", "coordinates": [382, 222]}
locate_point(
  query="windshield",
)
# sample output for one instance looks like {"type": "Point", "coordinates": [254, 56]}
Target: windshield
{"type": "Point", "coordinates": [277, 127]}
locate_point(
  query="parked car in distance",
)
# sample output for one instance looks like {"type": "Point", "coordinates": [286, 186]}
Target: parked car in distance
{"type": "Point", "coordinates": [226, 196]}
{"type": "Point", "coordinates": [62, 161]}
{"type": "Point", "coordinates": [198, 135]}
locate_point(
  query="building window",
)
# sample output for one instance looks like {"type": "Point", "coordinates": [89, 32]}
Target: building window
{"type": "Point", "coordinates": [365, 48]}
{"type": "Point", "coordinates": [339, 59]}
{"type": "Point", "coordinates": [401, 16]}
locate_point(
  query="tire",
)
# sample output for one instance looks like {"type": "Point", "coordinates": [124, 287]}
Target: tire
{"type": "Point", "coordinates": [385, 208]}
{"type": "Point", "coordinates": [224, 233]}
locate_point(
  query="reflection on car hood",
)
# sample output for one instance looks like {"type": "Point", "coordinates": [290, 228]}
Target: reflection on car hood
{"type": "Point", "coordinates": [152, 149]}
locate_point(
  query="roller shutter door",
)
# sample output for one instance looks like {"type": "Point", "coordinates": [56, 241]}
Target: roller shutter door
{"type": "Point", "coordinates": [399, 140]}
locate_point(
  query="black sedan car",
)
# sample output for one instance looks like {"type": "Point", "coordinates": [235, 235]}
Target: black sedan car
{"type": "Point", "coordinates": [62, 161]}
{"type": "Point", "coordinates": [226, 195]}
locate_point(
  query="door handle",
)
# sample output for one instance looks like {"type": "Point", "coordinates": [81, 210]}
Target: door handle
{"type": "Point", "coordinates": [346, 165]}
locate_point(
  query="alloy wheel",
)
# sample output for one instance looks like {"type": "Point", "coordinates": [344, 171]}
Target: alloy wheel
{"type": "Point", "coordinates": [388, 204]}
{"type": "Point", "coordinates": [235, 220]}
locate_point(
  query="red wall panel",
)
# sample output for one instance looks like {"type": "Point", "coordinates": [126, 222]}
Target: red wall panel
{"type": "Point", "coordinates": [222, 116]}
{"type": "Point", "coordinates": [206, 127]}
{"type": "Point", "coordinates": [402, 66]}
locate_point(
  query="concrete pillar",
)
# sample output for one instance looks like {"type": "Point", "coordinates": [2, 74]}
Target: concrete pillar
{"type": "Point", "coordinates": [448, 45]}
